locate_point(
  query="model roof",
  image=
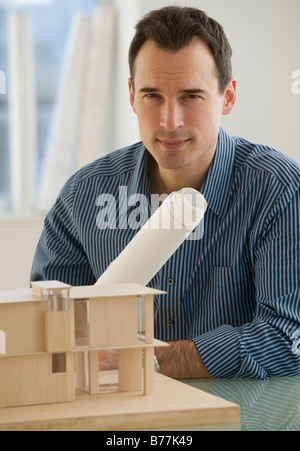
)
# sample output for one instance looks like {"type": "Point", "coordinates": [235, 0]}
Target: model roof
{"type": "Point", "coordinates": [82, 292]}
{"type": "Point", "coordinates": [118, 289]}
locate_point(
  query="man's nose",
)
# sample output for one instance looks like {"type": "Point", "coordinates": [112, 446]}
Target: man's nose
{"type": "Point", "coordinates": [171, 116]}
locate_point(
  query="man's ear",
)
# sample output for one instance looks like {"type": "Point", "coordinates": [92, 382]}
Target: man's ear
{"type": "Point", "coordinates": [229, 96]}
{"type": "Point", "coordinates": [131, 94]}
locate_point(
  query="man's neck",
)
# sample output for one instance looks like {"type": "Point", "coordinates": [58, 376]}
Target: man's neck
{"type": "Point", "coordinates": [166, 181]}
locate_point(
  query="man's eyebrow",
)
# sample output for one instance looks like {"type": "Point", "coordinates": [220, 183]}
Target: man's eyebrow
{"type": "Point", "coordinates": [193, 91]}
{"type": "Point", "coordinates": [148, 90]}
{"type": "Point", "coordinates": [183, 91]}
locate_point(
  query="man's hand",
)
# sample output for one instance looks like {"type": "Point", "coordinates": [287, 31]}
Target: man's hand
{"type": "Point", "coordinates": [108, 359]}
{"type": "Point", "coordinates": [181, 360]}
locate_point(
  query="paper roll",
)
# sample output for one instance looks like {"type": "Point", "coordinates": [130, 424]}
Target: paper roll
{"type": "Point", "coordinates": [171, 224]}
{"type": "Point", "coordinates": [67, 114]}
{"type": "Point", "coordinates": [22, 108]}
{"type": "Point", "coordinates": [2, 342]}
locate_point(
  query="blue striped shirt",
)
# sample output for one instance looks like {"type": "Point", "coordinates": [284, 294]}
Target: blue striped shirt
{"type": "Point", "coordinates": [236, 291]}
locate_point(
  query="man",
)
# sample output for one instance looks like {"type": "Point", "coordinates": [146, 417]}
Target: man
{"type": "Point", "coordinates": [233, 299]}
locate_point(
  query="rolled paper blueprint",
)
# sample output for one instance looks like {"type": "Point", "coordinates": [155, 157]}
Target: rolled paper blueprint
{"type": "Point", "coordinates": [179, 214]}
{"type": "Point", "coordinates": [2, 342]}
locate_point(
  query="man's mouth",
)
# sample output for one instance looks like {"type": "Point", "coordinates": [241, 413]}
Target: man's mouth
{"type": "Point", "coordinates": [172, 144]}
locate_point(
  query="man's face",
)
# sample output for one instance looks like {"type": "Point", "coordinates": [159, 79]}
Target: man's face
{"type": "Point", "coordinates": [178, 103]}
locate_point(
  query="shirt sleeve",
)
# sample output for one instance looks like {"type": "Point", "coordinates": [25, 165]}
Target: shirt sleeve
{"type": "Point", "coordinates": [59, 254]}
{"type": "Point", "coordinates": [264, 347]}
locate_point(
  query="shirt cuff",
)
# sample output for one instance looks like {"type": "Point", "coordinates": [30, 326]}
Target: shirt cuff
{"type": "Point", "coordinates": [220, 351]}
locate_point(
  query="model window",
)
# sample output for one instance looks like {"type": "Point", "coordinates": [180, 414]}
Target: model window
{"type": "Point", "coordinates": [59, 363]}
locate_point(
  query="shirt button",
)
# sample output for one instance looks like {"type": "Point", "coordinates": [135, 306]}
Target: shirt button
{"type": "Point", "coordinates": [170, 281]}
{"type": "Point", "coordinates": [170, 322]}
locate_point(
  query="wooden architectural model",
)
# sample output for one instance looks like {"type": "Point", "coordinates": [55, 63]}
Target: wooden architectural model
{"type": "Point", "coordinates": [51, 335]}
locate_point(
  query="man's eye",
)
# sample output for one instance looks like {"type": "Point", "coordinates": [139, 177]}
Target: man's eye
{"type": "Point", "coordinates": [193, 96]}
{"type": "Point", "coordinates": [151, 96]}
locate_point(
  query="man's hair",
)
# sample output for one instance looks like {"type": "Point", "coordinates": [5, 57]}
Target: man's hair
{"type": "Point", "coordinates": [174, 27]}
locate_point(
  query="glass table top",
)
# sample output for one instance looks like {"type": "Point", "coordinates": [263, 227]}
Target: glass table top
{"type": "Point", "coordinates": [266, 405]}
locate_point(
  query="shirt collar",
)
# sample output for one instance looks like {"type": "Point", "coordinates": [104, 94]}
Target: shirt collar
{"type": "Point", "coordinates": [215, 189]}
{"type": "Point", "coordinates": [140, 183]}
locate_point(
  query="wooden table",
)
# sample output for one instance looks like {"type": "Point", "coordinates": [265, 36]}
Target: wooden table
{"type": "Point", "coordinates": [173, 404]}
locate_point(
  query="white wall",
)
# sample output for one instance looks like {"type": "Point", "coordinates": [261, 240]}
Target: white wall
{"type": "Point", "coordinates": [124, 126]}
{"type": "Point", "coordinates": [18, 239]}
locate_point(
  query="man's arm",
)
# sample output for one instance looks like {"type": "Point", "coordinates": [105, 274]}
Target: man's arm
{"type": "Point", "coordinates": [59, 254]}
{"type": "Point", "coordinates": [263, 347]}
